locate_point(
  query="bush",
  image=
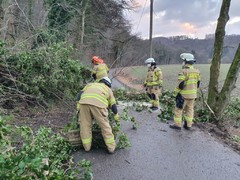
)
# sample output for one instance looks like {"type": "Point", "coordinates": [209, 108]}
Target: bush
{"type": "Point", "coordinates": [233, 109]}
{"type": "Point", "coordinates": [46, 72]}
{"type": "Point", "coordinates": [202, 115]}
{"type": "Point", "coordinates": [167, 106]}
{"type": "Point", "coordinates": [123, 95]}
{"type": "Point", "coordinates": [43, 155]}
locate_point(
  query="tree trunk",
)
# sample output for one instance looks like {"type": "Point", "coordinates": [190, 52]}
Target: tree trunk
{"type": "Point", "coordinates": [83, 20]}
{"type": "Point", "coordinates": [213, 93]}
{"type": "Point", "coordinates": [1, 18]}
{"type": "Point", "coordinates": [229, 84]}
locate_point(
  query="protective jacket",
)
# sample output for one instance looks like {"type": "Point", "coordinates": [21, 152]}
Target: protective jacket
{"type": "Point", "coordinates": [154, 77]}
{"type": "Point", "coordinates": [99, 71]}
{"type": "Point", "coordinates": [189, 80]}
{"type": "Point", "coordinates": [97, 94]}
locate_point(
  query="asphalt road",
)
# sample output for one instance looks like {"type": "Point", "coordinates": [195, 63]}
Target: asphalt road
{"type": "Point", "coordinates": [159, 153]}
{"type": "Point", "coordinates": [115, 83]}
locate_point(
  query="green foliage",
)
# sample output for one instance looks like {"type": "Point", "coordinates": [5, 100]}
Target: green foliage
{"type": "Point", "coordinates": [233, 109]}
{"type": "Point", "coordinates": [167, 101]}
{"type": "Point", "coordinates": [236, 138]}
{"type": "Point", "coordinates": [59, 15]}
{"type": "Point", "coordinates": [124, 95]}
{"type": "Point", "coordinates": [43, 155]}
{"type": "Point", "coordinates": [232, 112]}
{"type": "Point", "coordinates": [139, 107]}
{"type": "Point", "coordinates": [44, 37]}
{"type": "Point", "coordinates": [126, 117]}
{"type": "Point", "coordinates": [203, 115]}
{"type": "Point", "coordinates": [48, 72]}
{"type": "Point", "coordinates": [87, 170]}
{"type": "Point", "coordinates": [123, 141]}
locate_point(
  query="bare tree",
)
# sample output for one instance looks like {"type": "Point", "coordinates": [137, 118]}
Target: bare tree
{"type": "Point", "coordinates": [218, 100]}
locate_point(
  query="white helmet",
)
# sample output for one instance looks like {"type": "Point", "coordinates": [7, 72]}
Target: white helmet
{"type": "Point", "coordinates": [149, 61]}
{"type": "Point", "coordinates": [187, 57]}
{"type": "Point", "coordinates": [106, 81]}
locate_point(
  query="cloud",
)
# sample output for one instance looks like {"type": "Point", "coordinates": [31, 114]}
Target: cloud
{"type": "Point", "coordinates": [184, 17]}
{"type": "Point", "coordinates": [196, 12]}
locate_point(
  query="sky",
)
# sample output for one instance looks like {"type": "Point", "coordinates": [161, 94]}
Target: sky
{"type": "Point", "coordinates": [194, 18]}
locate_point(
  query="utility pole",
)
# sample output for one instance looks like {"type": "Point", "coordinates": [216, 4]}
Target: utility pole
{"type": "Point", "coordinates": [151, 28]}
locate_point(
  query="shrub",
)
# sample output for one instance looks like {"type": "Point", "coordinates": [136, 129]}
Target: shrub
{"type": "Point", "coordinates": [44, 73]}
{"type": "Point", "coordinates": [43, 155]}
{"type": "Point", "coordinates": [167, 106]}
{"type": "Point", "coordinates": [124, 95]}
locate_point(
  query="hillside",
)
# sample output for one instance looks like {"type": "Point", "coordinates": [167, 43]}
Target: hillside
{"type": "Point", "coordinates": [167, 50]}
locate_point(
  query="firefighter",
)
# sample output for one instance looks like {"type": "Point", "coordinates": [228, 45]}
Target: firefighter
{"type": "Point", "coordinates": [186, 93]}
{"type": "Point", "coordinates": [100, 69]}
{"type": "Point", "coordinates": [153, 83]}
{"type": "Point", "coordinates": [95, 99]}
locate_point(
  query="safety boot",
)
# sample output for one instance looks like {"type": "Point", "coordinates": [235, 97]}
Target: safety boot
{"type": "Point", "coordinates": [185, 126]}
{"type": "Point", "coordinates": [111, 150]}
{"type": "Point", "coordinates": [154, 108]}
{"type": "Point", "coordinates": [174, 127]}
{"type": "Point", "coordinates": [87, 148]}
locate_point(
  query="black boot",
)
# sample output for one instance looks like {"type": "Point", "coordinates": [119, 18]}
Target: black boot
{"type": "Point", "coordinates": [174, 127]}
{"type": "Point", "coordinates": [111, 151]}
{"type": "Point", "coordinates": [185, 126]}
{"type": "Point", "coordinates": [154, 108]}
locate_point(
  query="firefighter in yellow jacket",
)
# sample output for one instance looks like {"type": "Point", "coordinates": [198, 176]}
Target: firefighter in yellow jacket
{"type": "Point", "coordinates": [186, 93]}
{"type": "Point", "coordinates": [95, 99]}
{"type": "Point", "coordinates": [100, 69]}
{"type": "Point", "coordinates": [153, 83]}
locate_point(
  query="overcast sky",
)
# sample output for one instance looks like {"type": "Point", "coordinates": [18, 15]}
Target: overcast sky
{"type": "Point", "coordinates": [194, 18]}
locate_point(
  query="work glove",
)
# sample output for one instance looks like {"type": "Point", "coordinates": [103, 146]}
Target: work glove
{"type": "Point", "coordinates": [117, 118]}
{"type": "Point", "coordinates": [78, 106]}
{"type": "Point", "coordinates": [179, 101]}
{"type": "Point", "coordinates": [94, 76]}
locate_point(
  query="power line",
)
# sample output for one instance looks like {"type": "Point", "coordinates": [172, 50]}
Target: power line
{"type": "Point", "coordinates": [141, 15]}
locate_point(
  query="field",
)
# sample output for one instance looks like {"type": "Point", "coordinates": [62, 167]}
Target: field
{"type": "Point", "coordinates": [136, 75]}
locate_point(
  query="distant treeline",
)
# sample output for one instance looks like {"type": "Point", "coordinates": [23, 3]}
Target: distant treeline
{"type": "Point", "coordinates": [166, 50]}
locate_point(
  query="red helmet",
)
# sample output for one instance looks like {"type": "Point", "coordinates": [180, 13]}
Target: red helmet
{"type": "Point", "coordinates": [96, 60]}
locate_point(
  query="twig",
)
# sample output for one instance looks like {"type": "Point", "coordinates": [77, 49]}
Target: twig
{"type": "Point", "coordinates": [210, 109]}
{"type": "Point", "coordinates": [60, 127]}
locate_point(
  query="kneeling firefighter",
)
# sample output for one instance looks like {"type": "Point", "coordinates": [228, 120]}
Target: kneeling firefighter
{"type": "Point", "coordinates": [186, 92]}
{"type": "Point", "coordinates": [95, 99]}
{"type": "Point", "coordinates": [153, 83]}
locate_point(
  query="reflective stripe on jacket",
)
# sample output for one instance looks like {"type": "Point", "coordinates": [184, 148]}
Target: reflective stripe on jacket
{"type": "Point", "coordinates": [190, 76]}
{"type": "Point", "coordinates": [154, 77]}
{"type": "Point", "coordinates": [97, 94]}
{"type": "Point", "coordinates": [101, 70]}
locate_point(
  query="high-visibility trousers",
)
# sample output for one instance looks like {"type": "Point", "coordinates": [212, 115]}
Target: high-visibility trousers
{"type": "Point", "coordinates": [86, 115]}
{"type": "Point", "coordinates": [187, 111]}
{"type": "Point", "coordinates": [154, 92]}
